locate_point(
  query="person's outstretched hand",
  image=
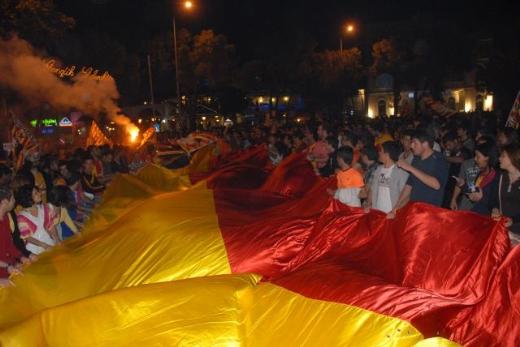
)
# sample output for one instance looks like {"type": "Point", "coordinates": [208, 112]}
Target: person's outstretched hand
{"type": "Point", "coordinates": [391, 214]}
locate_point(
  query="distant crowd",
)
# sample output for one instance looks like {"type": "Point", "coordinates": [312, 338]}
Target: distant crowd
{"type": "Point", "coordinates": [459, 162]}
{"type": "Point", "coordinates": [466, 163]}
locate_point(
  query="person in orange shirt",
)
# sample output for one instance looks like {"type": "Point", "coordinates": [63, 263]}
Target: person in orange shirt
{"type": "Point", "coordinates": [349, 180]}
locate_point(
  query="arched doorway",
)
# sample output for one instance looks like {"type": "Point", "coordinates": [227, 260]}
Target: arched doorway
{"type": "Point", "coordinates": [381, 108]}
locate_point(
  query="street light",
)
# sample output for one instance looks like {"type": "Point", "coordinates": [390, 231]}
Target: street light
{"type": "Point", "coordinates": [350, 29]}
{"type": "Point", "coordinates": [188, 6]}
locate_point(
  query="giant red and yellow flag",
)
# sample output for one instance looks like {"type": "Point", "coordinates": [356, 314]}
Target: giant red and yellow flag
{"type": "Point", "coordinates": [96, 137]}
{"type": "Point", "coordinates": [249, 255]}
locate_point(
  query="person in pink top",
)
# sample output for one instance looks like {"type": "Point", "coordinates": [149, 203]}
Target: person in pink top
{"type": "Point", "coordinates": [319, 152]}
{"type": "Point", "coordinates": [37, 221]}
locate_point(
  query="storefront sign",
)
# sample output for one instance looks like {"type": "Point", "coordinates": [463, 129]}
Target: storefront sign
{"type": "Point", "coordinates": [49, 122]}
{"type": "Point", "coordinates": [65, 122]}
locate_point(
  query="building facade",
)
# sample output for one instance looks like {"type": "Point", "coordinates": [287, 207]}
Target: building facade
{"type": "Point", "coordinates": [380, 98]}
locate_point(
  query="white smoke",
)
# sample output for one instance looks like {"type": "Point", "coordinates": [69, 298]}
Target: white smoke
{"type": "Point", "coordinates": [26, 72]}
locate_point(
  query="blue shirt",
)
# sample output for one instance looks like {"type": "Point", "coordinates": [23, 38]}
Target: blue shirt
{"type": "Point", "coordinates": [435, 165]}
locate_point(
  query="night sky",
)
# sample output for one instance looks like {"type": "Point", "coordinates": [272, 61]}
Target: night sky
{"type": "Point", "coordinates": [247, 23]}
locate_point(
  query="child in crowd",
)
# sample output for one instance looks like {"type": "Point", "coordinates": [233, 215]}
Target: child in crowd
{"type": "Point", "coordinates": [349, 180]}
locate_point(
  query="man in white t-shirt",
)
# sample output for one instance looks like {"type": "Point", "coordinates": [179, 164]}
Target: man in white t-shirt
{"type": "Point", "coordinates": [389, 180]}
{"type": "Point", "coordinates": [383, 200]}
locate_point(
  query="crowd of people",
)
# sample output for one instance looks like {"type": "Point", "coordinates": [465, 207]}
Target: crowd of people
{"type": "Point", "coordinates": [459, 163]}
{"type": "Point", "coordinates": [49, 199]}
{"type": "Point", "coordinates": [465, 163]}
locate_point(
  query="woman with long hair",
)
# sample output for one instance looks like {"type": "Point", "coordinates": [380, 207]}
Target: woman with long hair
{"type": "Point", "coordinates": [508, 192]}
{"type": "Point", "coordinates": [36, 221]}
{"type": "Point", "coordinates": [482, 192]}
{"type": "Point", "coordinates": [62, 199]}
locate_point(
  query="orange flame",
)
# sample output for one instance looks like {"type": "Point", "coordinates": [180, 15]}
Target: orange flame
{"type": "Point", "coordinates": [133, 131]}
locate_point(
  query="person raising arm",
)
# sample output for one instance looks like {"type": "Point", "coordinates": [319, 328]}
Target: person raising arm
{"type": "Point", "coordinates": [428, 173]}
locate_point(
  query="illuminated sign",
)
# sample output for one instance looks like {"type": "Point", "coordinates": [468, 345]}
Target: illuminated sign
{"type": "Point", "coordinates": [49, 122]}
{"type": "Point", "coordinates": [73, 71]}
{"type": "Point", "coordinates": [65, 122]}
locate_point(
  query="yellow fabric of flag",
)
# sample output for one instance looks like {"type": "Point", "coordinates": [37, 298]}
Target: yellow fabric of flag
{"type": "Point", "coordinates": [228, 310]}
{"type": "Point", "coordinates": [151, 269]}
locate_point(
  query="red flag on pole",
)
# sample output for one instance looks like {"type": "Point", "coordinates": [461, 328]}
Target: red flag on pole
{"type": "Point", "coordinates": [96, 137]}
{"type": "Point", "coordinates": [21, 135]}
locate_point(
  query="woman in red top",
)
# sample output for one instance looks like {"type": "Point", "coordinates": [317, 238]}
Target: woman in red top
{"type": "Point", "coordinates": [10, 256]}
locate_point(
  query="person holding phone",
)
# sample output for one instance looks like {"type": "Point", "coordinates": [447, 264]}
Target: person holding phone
{"type": "Point", "coordinates": [469, 171]}
{"type": "Point", "coordinates": [482, 192]}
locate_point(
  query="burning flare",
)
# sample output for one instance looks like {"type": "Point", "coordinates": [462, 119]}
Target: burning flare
{"type": "Point", "coordinates": [133, 131]}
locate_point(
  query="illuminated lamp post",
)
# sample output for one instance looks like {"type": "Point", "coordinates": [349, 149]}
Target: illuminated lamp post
{"type": "Point", "coordinates": [350, 30]}
{"type": "Point", "coordinates": [187, 6]}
